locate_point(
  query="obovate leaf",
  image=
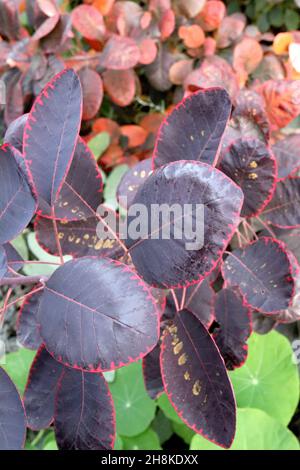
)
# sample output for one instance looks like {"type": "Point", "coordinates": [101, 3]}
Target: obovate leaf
{"type": "Point", "coordinates": [50, 135]}
{"type": "Point", "coordinates": [255, 431]}
{"type": "Point", "coordinates": [39, 397]}
{"type": "Point", "coordinates": [283, 210]}
{"type": "Point", "coordinates": [263, 272]}
{"type": "Point", "coordinates": [84, 412]}
{"type": "Point", "coordinates": [27, 326]}
{"type": "Point", "coordinates": [134, 409]}
{"type": "Point", "coordinates": [199, 192]}
{"type": "Point", "coordinates": [193, 131]}
{"type": "Point", "coordinates": [195, 379]}
{"type": "Point", "coordinates": [17, 204]}
{"type": "Point", "coordinates": [109, 322]}
{"type": "Point", "coordinates": [12, 415]}
{"type": "Point", "coordinates": [269, 379]}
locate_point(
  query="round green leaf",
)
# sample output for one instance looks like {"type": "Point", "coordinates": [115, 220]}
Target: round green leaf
{"type": "Point", "coordinates": [269, 379]}
{"type": "Point", "coordinates": [166, 406]}
{"type": "Point", "coordinates": [111, 185]}
{"type": "Point", "coordinates": [99, 144]}
{"type": "Point", "coordinates": [148, 440]}
{"type": "Point", "coordinates": [134, 409]}
{"type": "Point", "coordinates": [255, 431]}
{"type": "Point", "coordinates": [17, 365]}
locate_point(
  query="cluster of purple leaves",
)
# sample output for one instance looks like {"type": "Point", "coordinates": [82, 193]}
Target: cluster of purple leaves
{"type": "Point", "coordinates": [186, 313]}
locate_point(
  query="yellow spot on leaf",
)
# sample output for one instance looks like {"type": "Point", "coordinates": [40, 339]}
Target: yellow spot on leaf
{"type": "Point", "coordinates": [253, 164]}
{"type": "Point", "coordinates": [178, 348]}
{"type": "Point", "coordinates": [252, 176]}
{"type": "Point", "coordinates": [196, 388]}
{"type": "Point", "coordinates": [182, 359]}
{"type": "Point", "coordinates": [187, 376]}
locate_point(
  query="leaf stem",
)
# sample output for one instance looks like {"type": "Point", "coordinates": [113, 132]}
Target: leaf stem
{"type": "Point", "coordinates": [175, 300]}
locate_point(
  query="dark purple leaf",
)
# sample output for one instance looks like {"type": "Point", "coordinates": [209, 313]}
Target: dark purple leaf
{"type": "Point", "coordinates": [251, 104]}
{"type": "Point", "coordinates": [234, 320]}
{"type": "Point", "coordinates": [28, 331]}
{"type": "Point", "coordinates": [14, 260]}
{"type": "Point", "coordinates": [132, 180]}
{"type": "Point", "coordinates": [3, 262]}
{"type": "Point", "coordinates": [9, 20]}
{"type": "Point", "coordinates": [200, 300]}
{"type": "Point", "coordinates": [14, 105]}
{"type": "Point", "coordinates": [80, 194]}
{"type": "Point", "coordinates": [50, 134]}
{"type": "Point", "coordinates": [252, 166]}
{"type": "Point", "coordinates": [59, 40]}
{"type": "Point", "coordinates": [14, 132]}
{"type": "Point", "coordinates": [78, 238]}
{"type": "Point", "coordinates": [17, 204]}
{"type": "Point", "coordinates": [196, 380]}
{"type": "Point", "coordinates": [97, 314]}
{"type": "Point", "coordinates": [39, 396]}
{"type": "Point", "coordinates": [194, 129]}
{"type": "Point", "coordinates": [287, 155]}
{"type": "Point", "coordinates": [291, 238]}
{"type": "Point", "coordinates": [151, 373]}
{"type": "Point", "coordinates": [261, 323]}
{"type": "Point", "coordinates": [12, 415]}
{"type": "Point", "coordinates": [263, 272]}
{"type": "Point", "coordinates": [84, 412]}
{"type": "Point", "coordinates": [283, 210]}
{"type": "Point", "coordinates": [200, 186]}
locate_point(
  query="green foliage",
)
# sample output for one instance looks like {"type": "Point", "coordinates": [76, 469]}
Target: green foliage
{"type": "Point", "coordinates": [255, 431]}
{"type": "Point", "coordinates": [269, 380]}
{"type": "Point", "coordinates": [134, 409]}
{"type": "Point", "coordinates": [17, 365]}
{"type": "Point", "coordinates": [99, 144]}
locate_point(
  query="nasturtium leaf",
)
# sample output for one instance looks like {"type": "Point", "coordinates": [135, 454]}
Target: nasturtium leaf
{"type": "Point", "coordinates": [201, 394]}
{"type": "Point", "coordinates": [211, 200]}
{"type": "Point", "coordinates": [134, 409]}
{"type": "Point", "coordinates": [200, 300]}
{"type": "Point", "coordinates": [12, 415]}
{"type": "Point", "coordinates": [28, 332]}
{"type": "Point", "coordinates": [77, 238]}
{"type": "Point", "coordinates": [255, 431]}
{"type": "Point", "coordinates": [168, 409]}
{"type": "Point", "coordinates": [17, 204]}
{"type": "Point", "coordinates": [97, 332]}
{"type": "Point", "coordinates": [287, 155]}
{"type": "Point", "coordinates": [80, 194]}
{"type": "Point", "coordinates": [110, 190]}
{"type": "Point", "coordinates": [152, 374]}
{"type": "Point", "coordinates": [233, 318]}
{"type": "Point", "coordinates": [14, 132]}
{"type": "Point", "coordinates": [269, 379]}
{"type": "Point", "coordinates": [99, 143]}
{"type": "Point", "coordinates": [3, 262]}
{"type": "Point", "coordinates": [42, 255]}
{"type": "Point", "coordinates": [50, 135]}
{"type": "Point", "coordinates": [148, 440]}
{"type": "Point", "coordinates": [194, 129]}
{"type": "Point", "coordinates": [40, 392]}
{"type": "Point", "coordinates": [183, 431]}
{"type": "Point", "coordinates": [162, 426]}
{"type": "Point", "coordinates": [251, 165]}
{"type": "Point", "coordinates": [263, 272]}
{"type": "Point", "coordinates": [84, 413]}
{"type": "Point", "coordinates": [132, 180]}
{"type": "Point", "coordinates": [17, 365]}
{"type": "Point", "coordinates": [283, 210]}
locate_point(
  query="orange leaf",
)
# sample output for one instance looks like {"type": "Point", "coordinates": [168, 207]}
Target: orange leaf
{"type": "Point", "coordinates": [136, 135]}
{"type": "Point", "coordinates": [192, 36]}
{"type": "Point", "coordinates": [88, 21]}
{"type": "Point", "coordinates": [180, 70]}
{"type": "Point", "coordinates": [120, 86]}
{"type": "Point", "coordinates": [167, 24]}
{"type": "Point", "coordinates": [109, 126]}
{"type": "Point", "coordinates": [247, 55]}
{"type": "Point", "coordinates": [151, 122]}
{"type": "Point", "coordinates": [281, 43]}
{"type": "Point", "coordinates": [104, 6]}
{"type": "Point", "coordinates": [148, 51]}
{"type": "Point", "coordinates": [212, 15]}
